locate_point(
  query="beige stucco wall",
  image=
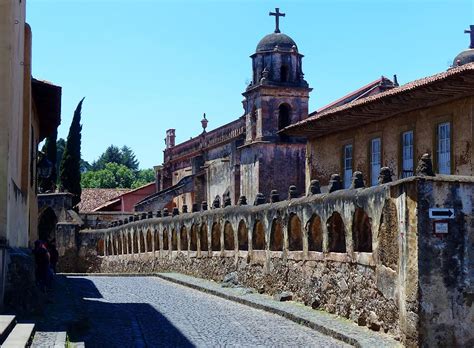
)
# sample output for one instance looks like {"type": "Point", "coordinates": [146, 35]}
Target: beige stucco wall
{"type": "Point", "coordinates": [15, 121]}
{"type": "Point", "coordinates": [324, 154]}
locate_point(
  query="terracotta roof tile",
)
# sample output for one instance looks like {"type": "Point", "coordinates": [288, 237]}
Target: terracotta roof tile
{"type": "Point", "coordinates": [91, 198]}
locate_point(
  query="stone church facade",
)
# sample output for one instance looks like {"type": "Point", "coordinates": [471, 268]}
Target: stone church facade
{"type": "Point", "coordinates": [249, 155]}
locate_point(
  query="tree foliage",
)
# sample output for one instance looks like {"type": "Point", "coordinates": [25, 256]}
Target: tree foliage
{"type": "Point", "coordinates": [70, 173]}
{"type": "Point", "coordinates": [114, 154]}
{"type": "Point", "coordinates": [116, 168]}
{"type": "Point", "coordinates": [116, 176]}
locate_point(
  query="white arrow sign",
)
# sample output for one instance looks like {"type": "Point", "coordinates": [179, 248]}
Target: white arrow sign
{"type": "Point", "coordinates": [441, 213]}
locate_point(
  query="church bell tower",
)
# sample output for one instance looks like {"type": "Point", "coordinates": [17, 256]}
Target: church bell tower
{"type": "Point", "coordinates": [278, 94]}
{"type": "Point", "coordinates": [276, 98]}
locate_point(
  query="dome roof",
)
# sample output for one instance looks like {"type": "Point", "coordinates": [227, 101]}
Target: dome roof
{"type": "Point", "coordinates": [269, 42]}
{"type": "Point", "coordinates": [466, 56]}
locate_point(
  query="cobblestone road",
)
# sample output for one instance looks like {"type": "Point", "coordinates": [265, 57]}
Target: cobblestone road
{"type": "Point", "coordinates": [149, 312]}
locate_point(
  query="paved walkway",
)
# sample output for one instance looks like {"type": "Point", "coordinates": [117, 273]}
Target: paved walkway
{"type": "Point", "coordinates": [150, 312]}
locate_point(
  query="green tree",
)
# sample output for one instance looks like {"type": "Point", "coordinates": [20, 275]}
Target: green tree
{"type": "Point", "coordinates": [143, 177]}
{"type": "Point", "coordinates": [60, 146]}
{"type": "Point", "coordinates": [128, 158]}
{"type": "Point", "coordinates": [111, 155]}
{"type": "Point", "coordinates": [112, 176]}
{"type": "Point", "coordinates": [70, 172]}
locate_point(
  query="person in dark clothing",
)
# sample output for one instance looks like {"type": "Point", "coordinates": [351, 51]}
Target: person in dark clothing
{"type": "Point", "coordinates": [54, 256]}
{"type": "Point", "coordinates": [42, 270]}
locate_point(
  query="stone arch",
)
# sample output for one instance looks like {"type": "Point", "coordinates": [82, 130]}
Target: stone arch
{"type": "Point", "coordinates": [100, 247]}
{"type": "Point", "coordinates": [362, 231]}
{"type": "Point", "coordinates": [157, 239]}
{"type": "Point", "coordinates": [336, 233]}
{"type": "Point", "coordinates": [315, 234]}
{"type": "Point", "coordinates": [284, 116]}
{"type": "Point", "coordinates": [193, 239]}
{"type": "Point", "coordinates": [110, 249]}
{"type": "Point", "coordinates": [216, 237]}
{"type": "Point", "coordinates": [243, 236]}
{"type": "Point", "coordinates": [47, 225]}
{"type": "Point", "coordinates": [228, 236]}
{"type": "Point", "coordinates": [388, 236]}
{"type": "Point", "coordinates": [284, 73]}
{"type": "Point", "coordinates": [174, 239]}
{"type": "Point", "coordinates": [135, 242]}
{"type": "Point", "coordinates": [119, 245]}
{"type": "Point", "coordinates": [183, 238]}
{"type": "Point", "coordinates": [203, 237]}
{"type": "Point", "coordinates": [149, 241]}
{"type": "Point", "coordinates": [276, 235]}
{"type": "Point", "coordinates": [142, 242]}
{"type": "Point", "coordinates": [258, 236]}
{"type": "Point", "coordinates": [295, 233]}
{"type": "Point", "coordinates": [129, 243]}
{"type": "Point", "coordinates": [166, 244]}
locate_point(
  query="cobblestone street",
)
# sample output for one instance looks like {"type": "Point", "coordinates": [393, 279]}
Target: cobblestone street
{"type": "Point", "coordinates": [147, 311]}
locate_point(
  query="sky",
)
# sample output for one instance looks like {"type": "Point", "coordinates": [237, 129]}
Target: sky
{"type": "Point", "coordinates": [145, 66]}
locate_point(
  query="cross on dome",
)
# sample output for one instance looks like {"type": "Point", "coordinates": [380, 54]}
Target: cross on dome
{"type": "Point", "coordinates": [471, 32]}
{"type": "Point", "coordinates": [277, 15]}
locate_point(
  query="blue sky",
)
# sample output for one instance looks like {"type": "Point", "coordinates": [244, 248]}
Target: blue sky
{"type": "Point", "coordinates": [147, 66]}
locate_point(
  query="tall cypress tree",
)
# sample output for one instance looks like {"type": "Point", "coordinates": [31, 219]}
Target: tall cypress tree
{"type": "Point", "coordinates": [70, 172]}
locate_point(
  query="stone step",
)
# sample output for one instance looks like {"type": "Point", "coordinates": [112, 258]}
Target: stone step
{"type": "Point", "coordinates": [20, 336]}
{"type": "Point", "coordinates": [7, 322]}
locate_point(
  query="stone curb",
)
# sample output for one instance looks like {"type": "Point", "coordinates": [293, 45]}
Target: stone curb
{"type": "Point", "coordinates": [348, 332]}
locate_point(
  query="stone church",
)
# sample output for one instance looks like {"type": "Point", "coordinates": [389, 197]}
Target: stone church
{"type": "Point", "coordinates": [246, 156]}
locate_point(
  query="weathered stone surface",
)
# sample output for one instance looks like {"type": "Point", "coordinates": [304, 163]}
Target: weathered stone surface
{"type": "Point", "coordinates": [283, 296]}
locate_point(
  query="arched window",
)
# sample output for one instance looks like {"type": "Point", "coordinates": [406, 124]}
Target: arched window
{"type": "Point", "coordinates": [183, 239]}
{"type": "Point", "coordinates": [276, 236]}
{"type": "Point", "coordinates": [203, 237]}
{"type": "Point", "coordinates": [315, 234]}
{"type": "Point", "coordinates": [193, 242]}
{"type": "Point", "coordinates": [361, 231]}
{"type": "Point", "coordinates": [336, 233]}
{"type": "Point", "coordinates": [258, 236]}
{"type": "Point", "coordinates": [174, 239]}
{"type": "Point", "coordinates": [165, 240]}
{"type": "Point", "coordinates": [284, 72]}
{"type": "Point", "coordinates": [243, 236]}
{"type": "Point", "coordinates": [253, 123]}
{"type": "Point", "coordinates": [295, 233]}
{"type": "Point", "coordinates": [283, 116]}
{"type": "Point", "coordinates": [216, 237]}
{"type": "Point", "coordinates": [228, 236]}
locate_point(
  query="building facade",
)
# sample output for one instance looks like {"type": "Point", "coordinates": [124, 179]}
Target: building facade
{"type": "Point", "coordinates": [246, 156]}
{"type": "Point", "coordinates": [29, 111]}
{"type": "Point", "coordinates": [433, 115]}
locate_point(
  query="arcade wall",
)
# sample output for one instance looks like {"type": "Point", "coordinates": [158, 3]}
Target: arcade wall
{"type": "Point", "coordinates": [372, 255]}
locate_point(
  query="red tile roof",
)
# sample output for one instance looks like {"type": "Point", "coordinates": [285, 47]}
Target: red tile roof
{"type": "Point", "coordinates": [91, 198]}
{"type": "Point", "coordinates": [432, 90]}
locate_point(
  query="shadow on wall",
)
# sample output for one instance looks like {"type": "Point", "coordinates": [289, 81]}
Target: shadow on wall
{"type": "Point", "coordinates": [98, 323]}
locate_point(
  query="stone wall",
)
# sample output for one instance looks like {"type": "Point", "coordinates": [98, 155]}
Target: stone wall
{"type": "Point", "coordinates": [368, 254]}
